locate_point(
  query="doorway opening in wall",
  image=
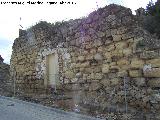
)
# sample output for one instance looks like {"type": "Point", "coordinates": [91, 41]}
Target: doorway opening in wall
{"type": "Point", "coordinates": [52, 71]}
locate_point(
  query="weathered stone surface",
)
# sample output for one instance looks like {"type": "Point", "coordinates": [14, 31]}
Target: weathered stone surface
{"type": "Point", "coordinates": [140, 81]}
{"type": "Point", "coordinates": [97, 43]}
{"type": "Point", "coordinates": [93, 51]}
{"type": "Point", "coordinates": [6, 87]}
{"type": "Point", "coordinates": [122, 62]}
{"type": "Point", "coordinates": [105, 68]}
{"type": "Point", "coordinates": [81, 58]}
{"type": "Point", "coordinates": [122, 73]}
{"type": "Point", "coordinates": [135, 73]}
{"type": "Point", "coordinates": [98, 76]}
{"type": "Point", "coordinates": [121, 45]}
{"type": "Point", "coordinates": [137, 63]}
{"type": "Point", "coordinates": [105, 82]}
{"type": "Point", "coordinates": [117, 53]}
{"type": "Point", "coordinates": [117, 37]}
{"type": "Point", "coordinates": [78, 75]}
{"type": "Point", "coordinates": [110, 48]}
{"type": "Point", "coordinates": [149, 54]}
{"type": "Point", "coordinates": [115, 81]}
{"type": "Point", "coordinates": [154, 72]}
{"type": "Point", "coordinates": [89, 57]}
{"type": "Point", "coordinates": [96, 56]}
{"type": "Point", "coordinates": [114, 68]}
{"type": "Point", "coordinates": [107, 55]}
{"type": "Point", "coordinates": [85, 64]}
{"type": "Point", "coordinates": [94, 86]}
{"type": "Point", "coordinates": [69, 74]}
{"type": "Point", "coordinates": [100, 49]}
{"type": "Point", "coordinates": [154, 82]}
{"type": "Point", "coordinates": [154, 62]}
{"type": "Point", "coordinates": [127, 51]}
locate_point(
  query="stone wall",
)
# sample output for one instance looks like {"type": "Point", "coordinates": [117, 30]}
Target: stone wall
{"type": "Point", "coordinates": [107, 63]}
{"type": "Point", "coordinates": [6, 85]}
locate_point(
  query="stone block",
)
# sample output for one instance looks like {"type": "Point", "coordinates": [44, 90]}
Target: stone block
{"type": "Point", "coordinates": [78, 65]}
{"type": "Point", "coordinates": [135, 73]}
{"type": "Point", "coordinates": [137, 63]}
{"type": "Point", "coordinates": [154, 62]}
{"type": "Point", "coordinates": [97, 69]}
{"type": "Point", "coordinates": [117, 53]}
{"type": "Point", "coordinates": [105, 68]}
{"type": "Point", "coordinates": [78, 75]}
{"type": "Point", "coordinates": [98, 76]}
{"type": "Point", "coordinates": [115, 81]}
{"type": "Point", "coordinates": [111, 18]}
{"type": "Point", "coordinates": [125, 67]}
{"type": "Point", "coordinates": [117, 37]}
{"type": "Point", "coordinates": [114, 68]}
{"type": "Point", "coordinates": [94, 86]}
{"type": "Point", "coordinates": [110, 48]}
{"type": "Point", "coordinates": [100, 49]}
{"type": "Point", "coordinates": [97, 43]}
{"type": "Point", "coordinates": [85, 76]}
{"type": "Point", "coordinates": [69, 74]}
{"type": "Point", "coordinates": [127, 51]}
{"type": "Point", "coordinates": [122, 73]}
{"type": "Point", "coordinates": [108, 41]}
{"type": "Point", "coordinates": [98, 57]}
{"type": "Point", "coordinates": [93, 51]}
{"type": "Point", "coordinates": [74, 80]}
{"type": "Point", "coordinates": [108, 33]}
{"type": "Point", "coordinates": [113, 31]}
{"type": "Point", "coordinates": [100, 34]}
{"type": "Point", "coordinates": [122, 62]}
{"type": "Point", "coordinates": [88, 70]}
{"type": "Point", "coordinates": [89, 57]}
{"type": "Point", "coordinates": [130, 42]}
{"type": "Point", "coordinates": [154, 82]}
{"type": "Point", "coordinates": [153, 72]}
{"type": "Point", "coordinates": [107, 55]}
{"type": "Point", "coordinates": [88, 46]}
{"type": "Point", "coordinates": [81, 58]}
{"type": "Point", "coordinates": [126, 36]}
{"type": "Point", "coordinates": [121, 45]}
{"type": "Point", "coordinates": [122, 30]}
{"type": "Point", "coordinates": [105, 82]}
{"type": "Point", "coordinates": [73, 65]}
{"type": "Point", "coordinates": [140, 81]}
{"type": "Point", "coordinates": [82, 69]}
{"type": "Point", "coordinates": [85, 64]}
{"type": "Point", "coordinates": [92, 76]}
{"type": "Point", "coordinates": [112, 64]}
{"type": "Point", "coordinates": [85, 52]}
{"type": "Point", "coordinates": [149, 54]}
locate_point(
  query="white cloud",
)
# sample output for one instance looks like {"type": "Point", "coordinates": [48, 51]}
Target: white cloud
{"type": "Point", "coordinates": [30, 14]}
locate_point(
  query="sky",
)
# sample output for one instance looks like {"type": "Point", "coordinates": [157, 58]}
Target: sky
{"type": "Point", "coordinates": [31, 14]}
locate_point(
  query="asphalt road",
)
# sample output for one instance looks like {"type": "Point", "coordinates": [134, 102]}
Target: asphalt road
{"type": "Point", "coordinates": [13, 109]}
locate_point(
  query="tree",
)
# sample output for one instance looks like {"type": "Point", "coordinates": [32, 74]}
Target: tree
{"type": "Point", "coordinates": [152, 22]}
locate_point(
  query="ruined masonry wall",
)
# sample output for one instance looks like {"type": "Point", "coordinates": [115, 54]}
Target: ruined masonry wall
{"type": "Point", "coordinates": [6, 88]}
{"type": "Point", "coordinates": [97, 55]}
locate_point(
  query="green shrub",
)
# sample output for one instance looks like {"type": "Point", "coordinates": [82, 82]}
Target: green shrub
{"type": "Point", "coordinates": [152, 21]}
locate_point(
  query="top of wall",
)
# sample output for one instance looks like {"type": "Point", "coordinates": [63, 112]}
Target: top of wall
{"type": "Point", "coordinates": [114, 15]}
{"type": "Point", "coordinates": [110, 17]}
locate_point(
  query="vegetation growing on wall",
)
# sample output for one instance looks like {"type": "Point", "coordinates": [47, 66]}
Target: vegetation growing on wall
{"type": "Point", "coordinates": [152, 22]}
